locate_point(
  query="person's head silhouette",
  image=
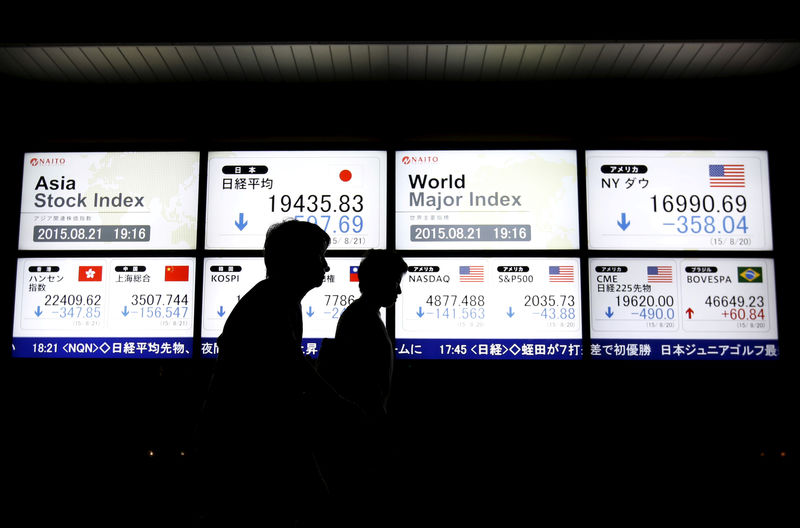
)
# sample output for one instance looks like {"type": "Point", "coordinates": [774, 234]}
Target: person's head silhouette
{"type": "Point", "coordinates": [379, 276]}
{"type": "Point", "coordinates": [294, 254]}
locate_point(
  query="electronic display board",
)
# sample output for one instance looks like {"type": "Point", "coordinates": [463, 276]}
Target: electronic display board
{"type": "Point", "coordinates": [678, 200]}
{"type": "Point", "coordinates": [344, 192]}
{"type": "Point", "coordinates": [486, 199]}
{"type": "Point", "coordinates": [489, 308]}
{"type": "Point", "coordinates": [682, 308]}
{"type": "Point", "coordinates": [226, 280]}
{"type": "Point", "coordinates": [109, 200]}
{"type": "Point", "coordinates": [104, 307]}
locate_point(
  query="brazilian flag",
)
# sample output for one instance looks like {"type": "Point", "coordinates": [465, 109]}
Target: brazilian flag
{"type": "Point", "coordinates": [750, 274]}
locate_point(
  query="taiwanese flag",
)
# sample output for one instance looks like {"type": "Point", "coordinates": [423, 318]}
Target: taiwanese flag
{"type": "Point", "coordinates": [90, 273]}
{"type": "Point", "coordinates": [353, 273]}
{"type": "Point", "coordinates": [176, 273]}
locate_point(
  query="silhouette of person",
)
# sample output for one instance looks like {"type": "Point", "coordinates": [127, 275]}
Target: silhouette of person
{"type": "Point", "coordinates": [359, 366]}
{"type": "Point", "coordinates": [265, 397]}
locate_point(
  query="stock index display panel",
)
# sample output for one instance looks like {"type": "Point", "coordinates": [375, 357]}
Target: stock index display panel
{"type": "Point", "coordinates": [227, 279]}
{"type": "Point", "coordinates": [486, 200]}
{"type": "Point", "coordinates": [114, 307]}
{"type": "Point", "coordinates": [683, 308]}
{"type": "Point", "coordinates": [94, 205]}
{"type": "Point", "coordinates": [503, 279]}
{"type": "Point", "coordinates": [109, 200]}
{"type": "Point", "coordinates": [490, 308]}
{"type": "Point", "coordinates": [344, 192]}
{"type": "Point", "coordinates": [678, 200]}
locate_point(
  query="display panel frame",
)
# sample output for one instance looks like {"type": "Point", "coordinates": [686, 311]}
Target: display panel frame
{"type": "Point", "coordinates": [486, 199]}
{"type": "Point", "coordinates": [116, 306]}
{"type": "Point", "coordinates": [683, 308]}
{"type": "Point", "coordinates": [225, 279]}
{"type": "Point", "coordinates": [543, 293]}
{"type": "Point", "coordinates": [583, 252]}
{"type": "Point", "coordinates": [678, 200]}
{"type": "Point", "coordinates": [69, 200]}
{"type": "Point", "coordinates": [346, 197]}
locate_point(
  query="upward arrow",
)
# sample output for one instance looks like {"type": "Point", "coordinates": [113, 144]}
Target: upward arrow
{"type": "Point", "coordinates": [241, 223]}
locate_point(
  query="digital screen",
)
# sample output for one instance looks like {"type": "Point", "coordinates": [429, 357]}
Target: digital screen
{"type": "Point", "coordinates": [109, 200]}
{"type": "Point", "coordinates": [489, 308]}
{"type": "Point", "coordinates": [680, 308]}
{"type": "Point", "coordinates": [104, 307]}
{"type": "Point", "coordinates": [488, 199]}
{"type": "Point", "coordinates": [226, 280]}
{"type": "Point", "coordinates": [681, 200]}
{"type": "Point", "coordinates": [343, 192]}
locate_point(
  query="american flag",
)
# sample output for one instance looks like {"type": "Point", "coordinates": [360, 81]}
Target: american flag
{"type": "Point", "coordinates": [729, 175]}
{"type": "Point", "coordinates": [470, 274]}
{"type": "Point", "coordinates": [562, 273]}
{"type": "Point", "coordinates": [659, 274]}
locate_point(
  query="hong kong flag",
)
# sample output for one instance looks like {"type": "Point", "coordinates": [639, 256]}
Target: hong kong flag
{"type": "Point", "coordinates": [90, 273]}
{"type": "Point", "coordinates": [176, 273]}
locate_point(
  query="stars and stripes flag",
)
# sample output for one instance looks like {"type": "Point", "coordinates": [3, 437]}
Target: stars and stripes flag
{"type": "Point", "coordinates": [659, 274]}
{"type": "Point", "coordinates": [728, 175]}
{"type": "Point", "coordinates": [562, 273]}
{"type": "Point", "coordinates": [470, 274]}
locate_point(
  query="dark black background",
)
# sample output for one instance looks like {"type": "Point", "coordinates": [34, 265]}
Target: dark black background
{"type": "Point", "coordinates": [493, 441]}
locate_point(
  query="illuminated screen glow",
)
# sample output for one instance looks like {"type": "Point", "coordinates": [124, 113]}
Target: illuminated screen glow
{"type": "Point", "coordinates": [489, 308]}
{"type": "Point", "coordinates": [680, 308]}
{"type": "Point", "coordinates": [684, 200]}
{"type": "Point", "coordinates": [103, 307]}
{"type": "Point", "coordinates": [465, 208]}
{"type": "Point", "coordinates": [109, 200]}
{"type": "Point", "coordinates": [493, 199]}
{"type": "Point", "coordinates": [344, 192]}
{"type": "Point", "coordinates": [226, 280]}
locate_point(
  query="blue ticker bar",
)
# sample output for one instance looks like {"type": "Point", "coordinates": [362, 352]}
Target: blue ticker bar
{"type": "Point", "coordinates": [683, 349]}
{"type": "Point", "coordinates": [489, 349]}
{"type": "Point", "coordinates": [102, 347]}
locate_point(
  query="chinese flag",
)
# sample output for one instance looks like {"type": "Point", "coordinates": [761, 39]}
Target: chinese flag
{"type": "Point", "coordinates": [353, 273]}
{"type": "Point", "coordinates": [90, 273]}
{"type": "Point", "coordinates": [176, 273]}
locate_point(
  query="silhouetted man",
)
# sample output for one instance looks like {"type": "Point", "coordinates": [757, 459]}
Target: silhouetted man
{"type": "Point", "coordinates": [360, 367]}
{"type": "Point", "coordinates": [264, 397]}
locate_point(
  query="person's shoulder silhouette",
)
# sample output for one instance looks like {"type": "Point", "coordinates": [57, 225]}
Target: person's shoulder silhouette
{"type": "Point", "coordinates": [269, 314]}
{"type": "Point", "coordinates": [361, 363]}
{"type": "Point", "coordinates": [257, 415]}
{"type": "Point", "coordinates": [360, 367]}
